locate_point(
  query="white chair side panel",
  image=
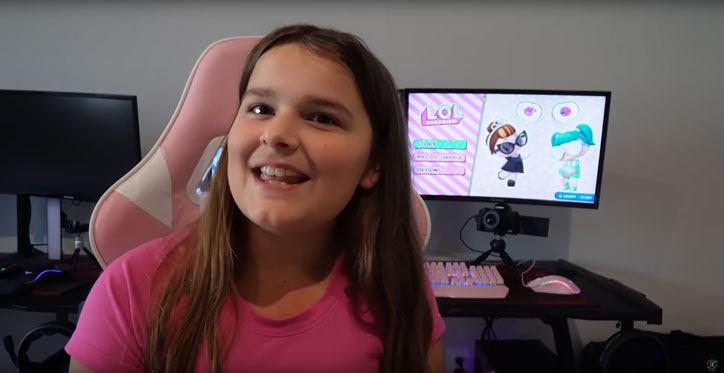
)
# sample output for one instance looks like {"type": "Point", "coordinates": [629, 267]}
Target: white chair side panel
{"type": "Point", "coordinates": [150, 189]}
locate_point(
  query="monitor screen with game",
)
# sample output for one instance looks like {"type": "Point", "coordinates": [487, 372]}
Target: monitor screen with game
{"type": "Point", "coordinates": [510, 146]}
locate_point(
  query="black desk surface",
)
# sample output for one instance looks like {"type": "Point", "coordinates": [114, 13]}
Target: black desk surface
{"type": "Point", "coordinates": [600, 298]}
{"type": "Point", "coordinates": [62, 296]}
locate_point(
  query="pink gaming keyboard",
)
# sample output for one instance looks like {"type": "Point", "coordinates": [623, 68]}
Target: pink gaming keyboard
{"type": "Point", "coordinates": [457, 280]}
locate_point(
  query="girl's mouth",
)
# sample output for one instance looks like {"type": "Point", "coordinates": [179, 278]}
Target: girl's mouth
{"type": "Point", "coordinates": [279, 175]}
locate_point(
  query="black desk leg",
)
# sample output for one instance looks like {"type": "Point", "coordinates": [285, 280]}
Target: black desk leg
{"type": "Point", "coordinates": [564, 346]}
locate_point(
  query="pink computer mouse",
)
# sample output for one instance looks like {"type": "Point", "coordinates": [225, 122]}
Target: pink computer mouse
{"type": "Point", "coordinates": [553, 285]}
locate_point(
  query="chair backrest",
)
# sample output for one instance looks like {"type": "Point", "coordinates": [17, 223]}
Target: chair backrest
{"type": "Point", "coordinates": [422, 218]}
{"type": "Point", "coordinates": [159, 195]}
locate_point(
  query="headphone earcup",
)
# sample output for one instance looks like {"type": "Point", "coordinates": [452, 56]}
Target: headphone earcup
{"type": "Point", "coordinates": [53, 327]}
{"type": "Point", "coordinates": [627, 350]}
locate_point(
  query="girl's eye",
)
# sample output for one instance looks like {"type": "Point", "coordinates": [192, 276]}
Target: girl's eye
{"type": "Point", "coordinates": [324, 119]}
{"type": "Point", "coordinates": [261, 109]}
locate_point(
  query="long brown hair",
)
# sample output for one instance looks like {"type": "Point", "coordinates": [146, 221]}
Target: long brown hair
{"type": "Point", "coordinates": [383, 256]}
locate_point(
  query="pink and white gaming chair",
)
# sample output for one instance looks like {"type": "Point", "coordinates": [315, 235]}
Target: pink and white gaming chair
{"type": "Point", "coordinates": [158, 196]}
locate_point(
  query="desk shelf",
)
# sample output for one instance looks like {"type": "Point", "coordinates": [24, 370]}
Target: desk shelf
{"type": "Point", "coordinates": [600, 299]}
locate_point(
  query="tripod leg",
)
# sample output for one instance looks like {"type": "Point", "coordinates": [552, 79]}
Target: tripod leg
{"type": "Point", "coordinates": [90, 254]}
{"type": "Point", "coordinates": [481, 258]}
{"type": "Point", "coordinates": [74, 258]}
{"type": "Point", "coordinates": [507, 260]}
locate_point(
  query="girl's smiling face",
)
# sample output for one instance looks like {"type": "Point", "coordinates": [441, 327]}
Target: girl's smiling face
{"type": "Point", "coordinates": [300, 144]}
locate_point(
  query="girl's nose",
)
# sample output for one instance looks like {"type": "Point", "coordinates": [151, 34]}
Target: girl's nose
{"type": "Point", "coordinates": [280, 133]}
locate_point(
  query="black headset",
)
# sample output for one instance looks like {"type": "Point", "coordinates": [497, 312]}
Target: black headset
{"type": "Point", "coordinates": [633, 341]}
{"type": "Point", "coordinates": [57, 362]}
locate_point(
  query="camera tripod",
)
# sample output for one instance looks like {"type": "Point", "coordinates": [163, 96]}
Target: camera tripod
{"type": "Point", "coordinates": [497, 245]}
{"type": "Point", "coordinates": [76, 228]}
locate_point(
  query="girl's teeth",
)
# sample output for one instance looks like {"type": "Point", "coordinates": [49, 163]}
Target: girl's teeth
{"type": "Point", "coordinates": [277, 171]}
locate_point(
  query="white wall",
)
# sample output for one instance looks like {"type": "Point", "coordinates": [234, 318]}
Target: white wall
{"type": "Point", "coordinates": [658, 226]}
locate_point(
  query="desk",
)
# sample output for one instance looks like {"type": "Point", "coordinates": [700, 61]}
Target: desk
{"type": "Point", "coordinates": [600, 299]}
{"type": "Point", "coordinates": [61, 298]}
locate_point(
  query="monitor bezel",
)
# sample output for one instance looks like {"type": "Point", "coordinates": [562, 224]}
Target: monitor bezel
{"type": "Point", "coordinates": [136, 129]}
{"type": "Point", "coordinates": [604, 133]}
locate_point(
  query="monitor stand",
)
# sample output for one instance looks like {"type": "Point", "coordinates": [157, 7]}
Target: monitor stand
{"type": "Point", "coordinates": [26, 252]}
{"type": "Point", "coordinates": [55, 237]}
{"type": "Point", "coordinates": [26, 249]}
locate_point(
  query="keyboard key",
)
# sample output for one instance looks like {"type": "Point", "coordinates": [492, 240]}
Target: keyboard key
{"type": "Point", "coordinates": [457, 280]}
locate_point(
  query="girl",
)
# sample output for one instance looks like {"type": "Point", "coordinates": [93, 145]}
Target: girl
{"type": "Point", "coordinates": [503, 143]}
{"type": "Point", "coordinates": [306, 257]}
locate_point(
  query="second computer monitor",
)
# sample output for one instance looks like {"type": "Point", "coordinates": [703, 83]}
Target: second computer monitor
{"type": "Point", "coordinates": [534, 147]}
{"type": "Point", "coordinates": [65, 144]}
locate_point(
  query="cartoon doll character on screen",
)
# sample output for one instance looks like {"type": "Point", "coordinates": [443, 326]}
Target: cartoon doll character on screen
{"type": "Point", "coordinates": [569, 147]}
{"type": "Point", "coordinates": [504, 142]}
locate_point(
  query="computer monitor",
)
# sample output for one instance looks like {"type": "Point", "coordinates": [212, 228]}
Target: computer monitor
{"type": "Point", "coordinates": [508, 146]}
{"type": "Point", "coordinates": [65, 145]}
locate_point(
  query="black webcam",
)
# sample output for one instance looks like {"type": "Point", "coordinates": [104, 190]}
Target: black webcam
{"type": "Point", "coordinates": [502, 220]}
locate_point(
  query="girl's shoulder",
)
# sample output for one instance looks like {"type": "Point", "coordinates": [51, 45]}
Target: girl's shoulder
{"type": "Point", "coordinates": [142, 266]}
{"type": "Point", "coordinates": [117, 306]}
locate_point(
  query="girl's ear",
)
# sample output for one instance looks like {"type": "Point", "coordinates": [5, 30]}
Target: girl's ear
{"type": "Point", "coordinates": [370, 178]}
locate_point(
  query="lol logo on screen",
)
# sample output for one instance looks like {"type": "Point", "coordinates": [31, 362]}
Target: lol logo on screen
{"type": "Point", "coordinates": [443, 115]}
{"type": "Point", "coordinates": [565, 111]}
{"type": "Point", "coordinates": [529, 111]}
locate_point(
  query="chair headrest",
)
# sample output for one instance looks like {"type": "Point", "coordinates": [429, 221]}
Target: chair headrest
{"type": "Point", "coordinates": [158, 196]}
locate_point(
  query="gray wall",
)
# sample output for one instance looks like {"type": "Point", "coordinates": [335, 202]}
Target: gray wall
{"type": "Point", "coordinates": [658, 226]}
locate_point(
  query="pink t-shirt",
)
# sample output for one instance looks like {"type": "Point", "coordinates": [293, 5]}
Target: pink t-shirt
{"type": "Point", "coordinates": [328, 336]}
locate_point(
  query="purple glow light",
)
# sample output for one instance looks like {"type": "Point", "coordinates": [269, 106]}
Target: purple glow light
{"type": "Point", "coordinates": [562, 282]}
{"type": "Point", "coordinates": [41, 273]}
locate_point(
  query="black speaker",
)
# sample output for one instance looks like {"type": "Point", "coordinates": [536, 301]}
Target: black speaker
{"type": "Point", "coordinates": [514, 356]}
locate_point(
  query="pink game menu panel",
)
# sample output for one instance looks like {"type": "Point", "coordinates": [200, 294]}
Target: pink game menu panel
{"type": "Point", "coordinates": [443, 131]}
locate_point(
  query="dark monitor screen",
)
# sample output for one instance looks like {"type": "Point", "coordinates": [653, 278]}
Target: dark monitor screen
{"type": "Point", "coordinates": [511, 146]}
{"type": "Point", "coordinates": [66, 145]}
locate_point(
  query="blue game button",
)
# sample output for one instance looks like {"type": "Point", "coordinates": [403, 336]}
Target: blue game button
{"type": "Point", "coordinates": [580, 197]}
